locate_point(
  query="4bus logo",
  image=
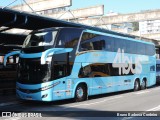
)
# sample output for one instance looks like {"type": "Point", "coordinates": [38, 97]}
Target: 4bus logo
{"type": "Point", "coordinates": [125, 63]}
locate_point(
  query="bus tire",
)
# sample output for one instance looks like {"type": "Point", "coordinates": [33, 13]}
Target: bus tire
{"type": "Point", "coordinates": [136, 85]}
{"type": "Point", "coordinates": [144, 84]}
{"type": "Point", "coordinates": [81, 93]}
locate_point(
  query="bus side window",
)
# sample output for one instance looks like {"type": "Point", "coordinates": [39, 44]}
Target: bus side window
{"type": "Point", "coordinates": [99, 45]}
{"type": "Point", "coordinates": [99, 70]}
{"type": "Point", "coordinates": [87, 46]}
{"type": "Point", "coordinates": [141, 48]}
{"type": "Point", "coordinates": [85, 72]}
{"type": "Point", "coordinates": [94, 70]}
{"type": "Point", "coordinates": [109, 45]}
{"type": "Point", "coordinates": [91, 41]}
{"type": "Point", "coordinates": [96, 45]}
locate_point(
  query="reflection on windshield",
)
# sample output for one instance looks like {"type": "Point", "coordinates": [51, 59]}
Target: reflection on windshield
{"type": "Point", "coordinates": [40, 39]}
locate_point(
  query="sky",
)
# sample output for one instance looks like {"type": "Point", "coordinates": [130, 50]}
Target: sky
{"type": "Point", "coordinates": [119, 6]}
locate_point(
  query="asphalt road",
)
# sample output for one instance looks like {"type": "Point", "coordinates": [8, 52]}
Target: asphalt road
{"type": "Point", "coordinates": [126, 104]}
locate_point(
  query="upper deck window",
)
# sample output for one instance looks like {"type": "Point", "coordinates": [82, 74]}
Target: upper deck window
{"type": "Point", "coordinates": [68, 38]}
{"type": "Point", "coordinates": [59, 38]}
{"type": "Point", "coordinates": [91, 41]}
{"type": "Point", "coordinates": [40, 39]}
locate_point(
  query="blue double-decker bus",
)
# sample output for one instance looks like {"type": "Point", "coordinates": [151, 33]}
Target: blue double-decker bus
{"type": "Point", "coordinates": [66, 62]}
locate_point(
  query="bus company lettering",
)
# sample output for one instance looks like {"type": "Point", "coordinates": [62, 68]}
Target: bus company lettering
{"type": "Point", "coordinates": [125, 63]}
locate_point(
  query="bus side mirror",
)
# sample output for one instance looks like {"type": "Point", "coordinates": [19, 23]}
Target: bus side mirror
{"type": "Point", "coordinates": [53, 51]}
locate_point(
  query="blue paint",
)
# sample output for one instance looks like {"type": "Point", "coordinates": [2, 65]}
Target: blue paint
{"type": "Point", "coordinates": [10, 54]}
{"type": "Point", "coordinates": [64, 88]}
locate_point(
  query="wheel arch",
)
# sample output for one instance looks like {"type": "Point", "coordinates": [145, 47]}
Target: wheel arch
{"type": "Point", "coordinates": [74, 89]}
{"type": "Point", "coordinates": [138, 79]}
{"type": "Point", "coordinates": [145, 79]}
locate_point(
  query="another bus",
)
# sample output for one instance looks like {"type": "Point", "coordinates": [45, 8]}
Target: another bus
{"type": "Point", "coordinates": [63, 63]}
{"type": "Point", "coordinates": [158, 71]}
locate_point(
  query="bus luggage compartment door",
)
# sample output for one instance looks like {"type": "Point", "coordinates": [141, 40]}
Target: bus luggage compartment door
{"type": "Point", "coordinates": [96, 86]}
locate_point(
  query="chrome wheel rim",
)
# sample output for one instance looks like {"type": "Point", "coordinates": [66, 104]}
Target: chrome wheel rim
{"type": "Point", "coordinates": [80, 92]}
{"type": "Point", "coordinates": [136, 85]}
{"type": "Point", "coordinates": [143, 84]}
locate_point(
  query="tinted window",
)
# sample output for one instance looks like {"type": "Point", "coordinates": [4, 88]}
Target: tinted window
{"type": "Point", "coordinates": [119, 43]}
{"type": "Point", "coordinates": [91, 42]}
{"type": "Point", "coordinates": [94, 70]}
{"type": "Point", "coordinates": [140, 48]}
{"type": "Point", "coordinates": [40, 39]}
{"type": "Point", "coordinates": [150, 50]}
{"type": "Point", "coordinates": [101, 70]}
{"type": "Point", "coordinates": [30, 71]}
{"type": "Point", "coordinates": [131, 47]}
{"type": "Point", "coordinates": [61, 66]}
{"type": "Point", "coordinates": [60, 70]}
{"type": "Point", "coordinates": [109, 43]}
{"type": "Point", "coordinates": [68, 37]}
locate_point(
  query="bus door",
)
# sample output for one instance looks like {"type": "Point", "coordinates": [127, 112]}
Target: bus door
{"type": "Point", "coordinates": [60, 70]}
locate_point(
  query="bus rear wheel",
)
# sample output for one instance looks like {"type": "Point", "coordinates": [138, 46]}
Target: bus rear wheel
{"type": "Point", "coordinates": [144, 84]}
{"type": "Point", "coordinates": [80, 93]}
{"type": "Point", "coordinates": [136, 85]}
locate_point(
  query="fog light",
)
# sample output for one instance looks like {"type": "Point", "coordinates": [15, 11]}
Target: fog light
{"type": "Point", "coordinates": [44, 96]}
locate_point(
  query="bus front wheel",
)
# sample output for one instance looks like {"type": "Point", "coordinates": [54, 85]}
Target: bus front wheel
{"type": "Point", "coordinates": [136, 85]}
{"type": "Point", "coordinates": [81, 93]}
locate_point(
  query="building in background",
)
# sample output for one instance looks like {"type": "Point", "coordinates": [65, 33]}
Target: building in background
{"type": "Point", "coordinates": [91, 15]}
{"type": "Point", "coordinates": [121, 27]}
{"type": "Point", "coordinates": [150, 27]}
{"type": "Point", "coordinates": [147, 27]}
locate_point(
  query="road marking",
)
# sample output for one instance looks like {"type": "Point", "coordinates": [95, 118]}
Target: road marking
{"type": "Point", "coordinates": [154, 109]}
{"type": "Point", "coordinates": [93, 103]}
{"type": "Point", "coordinates": [8, 103]}
{"type": "Point", "coordinates": [142, 92]}
{"type": "Point", "coordinates": [15, 118]}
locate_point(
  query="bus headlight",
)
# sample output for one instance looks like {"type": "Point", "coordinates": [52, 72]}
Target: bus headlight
{"type": "Point", "coordinates": [50, 86]}
{"type": "Point", "coordinates": [45, 88]}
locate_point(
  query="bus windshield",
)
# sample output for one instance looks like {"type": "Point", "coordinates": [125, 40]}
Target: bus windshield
{"type": "Point", "coordinates": [40, 39]}
{"type": "Point", "coordinates": [59, 38]}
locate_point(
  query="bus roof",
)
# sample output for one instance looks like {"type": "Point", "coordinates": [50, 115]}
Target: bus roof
{"type": "Point", "coordinates": [102, 32]}
{"type": "Point", "coordinates": [123, 37]}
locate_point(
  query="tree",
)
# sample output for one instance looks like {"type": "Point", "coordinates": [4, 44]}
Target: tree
{"type": "Point", "coordinates": [135, 26]}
